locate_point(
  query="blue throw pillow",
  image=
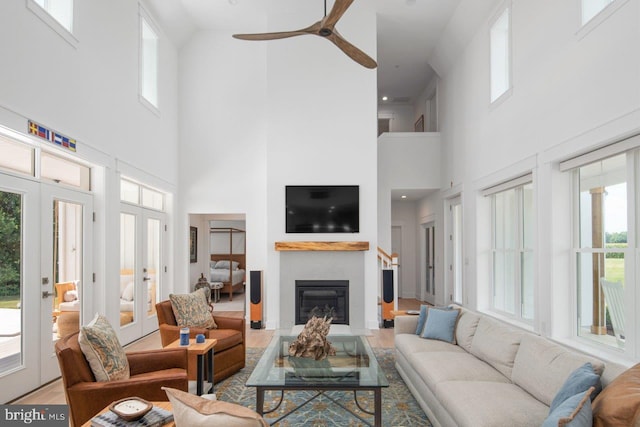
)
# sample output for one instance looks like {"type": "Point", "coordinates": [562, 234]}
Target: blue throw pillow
{"type": "Point", "coordinates": [422, 319]}
{"type": "Point", "coordinates": [573, 412]}
{"type": "Point", "coordinates": [441, 324]}
{"type": "Point", "coordinates": [578, 381]}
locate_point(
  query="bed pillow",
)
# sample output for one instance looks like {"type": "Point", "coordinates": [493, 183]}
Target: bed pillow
{"type": "Point", "coordinates": [192, 310]}
{"type": "Point", "coordinates": [196, 411]}
{"type": "Point", "coordinates": [224, 265]}
{"type": "Point", "coordinates": [100, 346]}
{"type": "Point", "coordinates": [573, 412]}
{"type": "Point", "coordinates": [441, 325]}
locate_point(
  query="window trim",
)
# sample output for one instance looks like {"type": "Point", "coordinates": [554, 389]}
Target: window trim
{"type": "Point", "coordinates": [144, 16]}
{"type": "Point", "coordinates": [47, 18]}
{"type": "Point", "coordinates": [585, 28]}
{"type": "Point", "coordinates": [506, 6]}
{"type": "Point", "coordinates": [516, 183]}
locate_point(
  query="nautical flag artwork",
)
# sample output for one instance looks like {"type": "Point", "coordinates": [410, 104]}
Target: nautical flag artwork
{"type": "Point", "coordinates": [52, 136]}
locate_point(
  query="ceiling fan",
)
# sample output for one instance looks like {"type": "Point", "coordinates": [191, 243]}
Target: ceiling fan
{"type": "Point", "coordinates": [323, 28]}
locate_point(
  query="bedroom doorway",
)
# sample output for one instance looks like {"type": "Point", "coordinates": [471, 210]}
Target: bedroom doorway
{"type": "Point", "coordinates": [221, 258]}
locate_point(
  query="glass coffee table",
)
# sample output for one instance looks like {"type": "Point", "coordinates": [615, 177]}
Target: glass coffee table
{"type": "Point", "coordinates": [353, 368]}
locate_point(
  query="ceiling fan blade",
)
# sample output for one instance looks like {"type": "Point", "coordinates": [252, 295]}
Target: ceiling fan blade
{"type": "Point", "coordinates": [351, 51]}
{"type": "Point", "coordinates": [271, 36]}
{"type": "Point", "coordinates": [339, 8]}
{"type": "Point", "coordinates": [312, 29]}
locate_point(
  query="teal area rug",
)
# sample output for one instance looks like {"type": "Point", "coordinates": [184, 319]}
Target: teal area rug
{"type": "Point", "coordinates": [399, 408]}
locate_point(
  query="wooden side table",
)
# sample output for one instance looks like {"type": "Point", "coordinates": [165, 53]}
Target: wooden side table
{"type": "Point", "coordinates": [395, 313]}
{"type": "Point", "coordinates": [200, 349]}
{"type": "Point", "coordinates": [163, 405]}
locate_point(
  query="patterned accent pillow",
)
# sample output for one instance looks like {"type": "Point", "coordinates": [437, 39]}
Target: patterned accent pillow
{"type": "Point", "coordinates": [192, 310]}
{"type": "Point", "coordinates": [100, 346]}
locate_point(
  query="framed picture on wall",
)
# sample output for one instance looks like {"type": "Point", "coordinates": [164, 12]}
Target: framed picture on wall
{"type": "Point", "coordinates": [193, 244]}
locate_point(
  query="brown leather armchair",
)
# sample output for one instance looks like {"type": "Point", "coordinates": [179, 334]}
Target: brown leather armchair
{"type": "Point", "coordinates": [150, 371]}
{"type": "Point", "coordinates": [229, 352]}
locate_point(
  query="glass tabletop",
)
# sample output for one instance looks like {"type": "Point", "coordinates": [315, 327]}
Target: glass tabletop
{"type": "Point", "coordinates": [353, 366]}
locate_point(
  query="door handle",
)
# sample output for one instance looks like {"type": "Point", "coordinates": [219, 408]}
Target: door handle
{"type": "Point", "coordinates": [46, 294]}
{"type": "Point", "coordinates": [146, 278]}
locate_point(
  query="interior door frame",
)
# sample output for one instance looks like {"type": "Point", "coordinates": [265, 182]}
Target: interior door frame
{"type": "Point", "coordinates": [49, 193]}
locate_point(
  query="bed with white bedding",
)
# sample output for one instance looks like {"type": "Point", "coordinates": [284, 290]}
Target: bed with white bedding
{"type": "Point", "coordinates": [230, 272]}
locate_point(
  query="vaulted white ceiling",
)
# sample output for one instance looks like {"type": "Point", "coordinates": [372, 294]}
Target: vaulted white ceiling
{"type": "Point", "coordinates": [410, 32]}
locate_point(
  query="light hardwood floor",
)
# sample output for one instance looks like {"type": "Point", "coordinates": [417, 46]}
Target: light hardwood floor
{"type": "Point", "coordinates": [52, 393]}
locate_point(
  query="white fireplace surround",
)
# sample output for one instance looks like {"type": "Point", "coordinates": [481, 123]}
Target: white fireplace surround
{"type": "Point", "coordinates": [323, 265]}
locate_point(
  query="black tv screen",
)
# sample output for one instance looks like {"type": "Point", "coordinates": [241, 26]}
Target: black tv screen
{"type": "Point", "coordinates": [323, 208]}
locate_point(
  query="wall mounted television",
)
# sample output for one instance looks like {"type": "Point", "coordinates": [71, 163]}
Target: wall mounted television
{"type": "Point", "coordinates": [323, 208]}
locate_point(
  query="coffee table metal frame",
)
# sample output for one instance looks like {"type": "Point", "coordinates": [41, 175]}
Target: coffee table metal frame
{"type": "Point", "coordinates": [266, 376]}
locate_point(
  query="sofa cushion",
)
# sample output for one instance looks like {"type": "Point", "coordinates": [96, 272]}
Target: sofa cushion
{"type": "Point", "coordinates": [441, 366]}
{"type": "Point", "coordinates": [409, 344]}
{"type": "Point", "coordinates": [541, 367]}
{"type": "Point", "coordinates": [100, 346]}
{"type": "Point", "coordinates": [579, 381]}
{"type": "Point", "coordinates": [496, 344]}
{"type": "Point", "coordinates": [441, 325]}
{"type": "Point", "coordinates": [466, 328]}
{"type": "Point", "coordinates": [574, 411]}
{"type": "Point", "coordinates": [192, 310]}
{"type": "Point", "coordinates": [619, 402]}
{"type": "Point", "coordinates": [490, 404]}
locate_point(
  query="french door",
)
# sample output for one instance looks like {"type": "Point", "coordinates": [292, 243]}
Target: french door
{"type": "Point", "coordinates": [65, 267]}
{"type": "Point", "coordinates": [142, 270]}
{"type": "Point", "coordinates": [45, 233]}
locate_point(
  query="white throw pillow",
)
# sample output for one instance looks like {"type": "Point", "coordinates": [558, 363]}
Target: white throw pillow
{"type": "Point", "coordinates": [70, 296]}
{"type": "Point", "coordinates": [127, 293]}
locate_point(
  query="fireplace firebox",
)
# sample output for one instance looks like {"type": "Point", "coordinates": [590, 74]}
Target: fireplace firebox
{"type": "Point", "coordinates": [322, 298]}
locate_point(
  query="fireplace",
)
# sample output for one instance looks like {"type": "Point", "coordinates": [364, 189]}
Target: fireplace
{"type": "Point", "coordinates": [320, 298]}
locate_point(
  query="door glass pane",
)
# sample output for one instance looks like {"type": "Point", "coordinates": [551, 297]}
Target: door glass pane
{"type": "Point", "coordinates": [153, 265]}
{"type": "Point", "coordinates": [152, 199]}
{"type": "Point", "coordinates": [67, 267]}
{"type": "Point", "coordinates": [457, 252]}
{"type": "Point", "coordinates": [129, 192]}
{"type": "Point", "coordinates": [10, 281]}
{"type": "Point", "coordinates": [601, 257]}
{"type": "Point", "coordinates": [15, 156]}
{"type": "Point", "coordinates": [127, 267]}
{"type": "Point", "coordinates": [65, 171]}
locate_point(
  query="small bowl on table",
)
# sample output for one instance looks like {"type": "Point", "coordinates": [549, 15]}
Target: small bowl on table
{"type": "Point", "coordinates": [130, 408]}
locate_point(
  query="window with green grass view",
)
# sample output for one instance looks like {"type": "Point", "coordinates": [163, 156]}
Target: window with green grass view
{"type": "Point", "coordinates": [602, 250]}
{"type": "Point", "coordinates": [10, 278]}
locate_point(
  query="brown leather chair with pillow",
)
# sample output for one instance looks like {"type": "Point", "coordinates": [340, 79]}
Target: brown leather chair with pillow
{"type": "Point", "coordinates": [229, 352]}
{"type": "Point", "coordinates": [149, 371]}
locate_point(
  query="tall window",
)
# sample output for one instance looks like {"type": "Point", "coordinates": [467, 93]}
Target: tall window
{"type": "Point", "coordinates": [148, 60]}
{"type": "Point", "coordinates": [512, 249]}
{"type": "Point", "coordinates": [590, 8]}
{"type": "Point", "coordinates": [500, 40]}
{"type": "Point", "coordinates": [602, 248]}
{"type": "Point", "coordinates": [60, 10]}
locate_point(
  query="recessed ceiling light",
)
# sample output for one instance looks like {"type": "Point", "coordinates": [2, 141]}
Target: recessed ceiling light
{"type": "Point", "coordinates": [384, 98]}
{"type": "Point", "coordinates": [403, 197]}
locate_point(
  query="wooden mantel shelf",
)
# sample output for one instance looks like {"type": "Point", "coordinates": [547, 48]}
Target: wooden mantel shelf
{"type": "Point", "coordinates": [322, 246]}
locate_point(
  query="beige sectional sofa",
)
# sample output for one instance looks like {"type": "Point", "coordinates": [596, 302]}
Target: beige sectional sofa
{"type": "Point", "coordinates": [495, 375]}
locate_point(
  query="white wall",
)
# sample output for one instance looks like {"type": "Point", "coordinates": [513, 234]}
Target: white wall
{"type": "Point", "coordinates": [573, 90]}
{"type": "Point", "coordinates": [320, 107]}
{"type": "Point", "coordinates": [406, 161]}
{"type": "Point", "coordinates": [401, 116]}
{"type": "Point", "coordinates": [90, 93]}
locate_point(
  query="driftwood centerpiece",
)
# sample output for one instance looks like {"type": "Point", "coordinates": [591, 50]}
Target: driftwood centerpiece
{"type": "Point", "coordinates": [312, 341]}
